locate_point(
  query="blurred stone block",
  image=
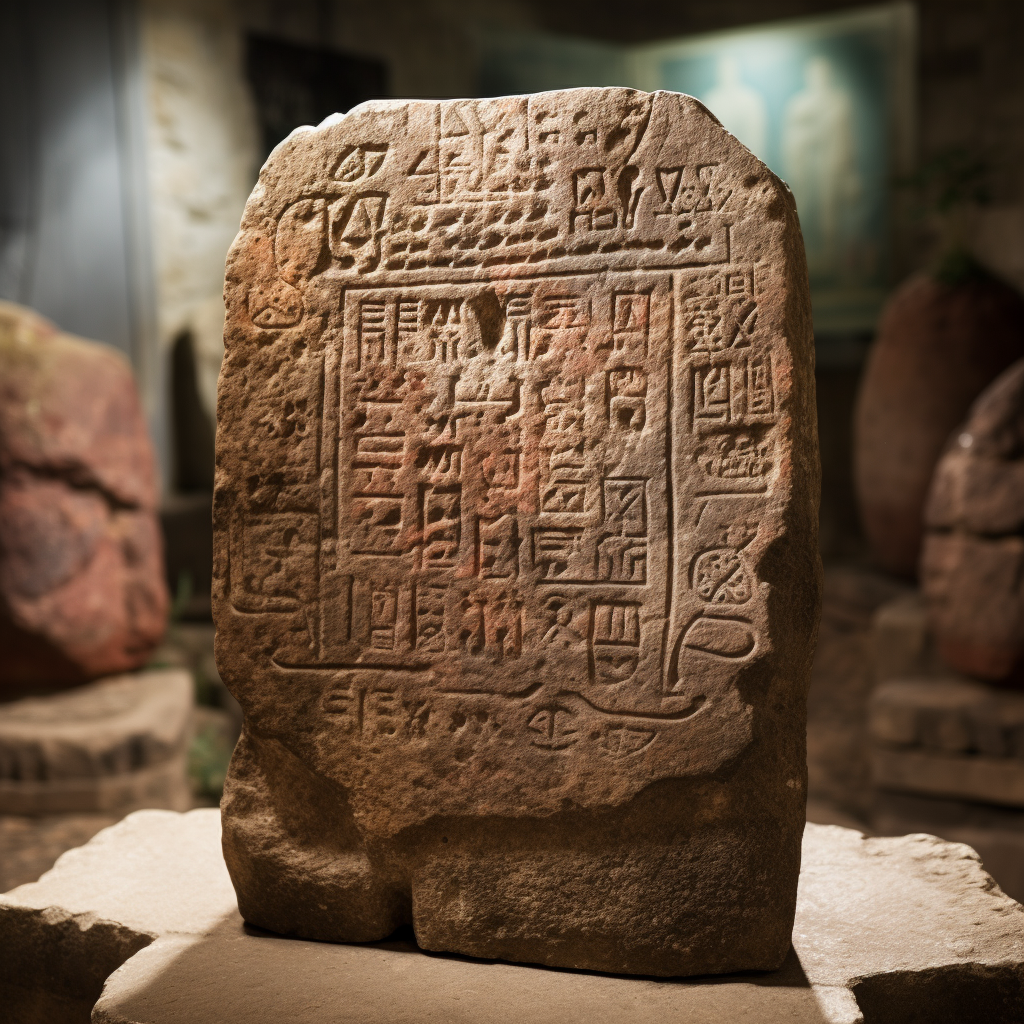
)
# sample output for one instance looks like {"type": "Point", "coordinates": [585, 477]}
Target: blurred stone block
{"type": "Point", "coordinates": [897, 930]}
{"type": "Point", "coordinates": [110, 746]}
{"type": "Point", "coordinates": [900, 642]}
{"type": "Point", "coordinates": [948, 737]}
{"type": "Point", "coordinates": [973, 778]}
{"type": "Point", "coordinates": [82, 593]}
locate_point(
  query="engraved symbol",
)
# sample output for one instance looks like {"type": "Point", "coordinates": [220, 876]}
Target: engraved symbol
{"type": "Point", "coordinates": [622, 740]}
{"type": "Point", "coordinates": [719, 575]}
{"type": "Point", "coordinates": [430, 618]}
{"type": "Point", "coordinates": [555, 728]}
{"type": "Point", "coordinates": [622, 551]}
{"type": "Point", "coordinates": [562, 321]}
{"type": "Point", "coordinates": [627, 404]}
{"type": "Point", "coordinates": [376, 341]}
{"type": "Point", "coordinates": [626, 507]}
{"type": "Point", "coordinates": [383, 616]}
{"type": "Point", "coordinates": [591, 212]}
{"type": "Point", "coordinates": [441, 524]}
{"type": "Point", "coordinates": [630, 316]}
{"type": "Point", "coordinates": [356, 225]}
{"type": "Point", "coordinates": [560, 632]}
{"type": "Point", "coordinates": [377, 526]}
{"type": "Point", "coordinates": [686, 190]}
{"type": "Point", "coordinates": [715, 325]}
{"type": "Point", "coordinates": [376, 711]}
{"type": "Point", "coordinates": [720, 578]}
{"type": "Point", "coordinates": [726, 638]}
{"type": "Point", "coordinates": [500, 470]}
{"type": "Point", "coordinates": [711, 393]}
{"type": "Point", "coordinates": [498, 548]}
{"type": "Point", "coordinates": [737, 457]}
{"type": "Point", "coordinates": [760, 394]}
{"type": "Point", "coordinates": [515, 341]}
{"type": "Point", "coordinates": [378, 459]}
{"type": "Point", "coordinates": [440, 463]}
{"type": "Point", "coordinates": [360, 162]}
{"type": "Point", "coordinates": [556, 552]}
{"type": "Point", "coordinates": [614, 641]}
{"type": "Point", "coordinates": [491, 626]}
{"type": "Point", "coordinates": [565, 490]}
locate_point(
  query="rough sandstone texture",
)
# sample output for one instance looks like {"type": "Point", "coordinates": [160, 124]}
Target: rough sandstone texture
{"type": "Point", "coordinates": [887, 931]}
{"type": "Point", "coordinates": [938, 347]}
{"type": "Point", "coordinates": [82, 592]}
{"type": "Point", "coordinates": [516, 569]}
{"type": "Point", "coordinates": [972, 564]}
{"type": "Point", "coordinates": [114, 745]}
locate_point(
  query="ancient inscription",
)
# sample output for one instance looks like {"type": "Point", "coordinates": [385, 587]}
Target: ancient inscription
{"type": "Point", "coordinates": [515, 533]}
{"type": "Point", "coordinates": [527, 420]}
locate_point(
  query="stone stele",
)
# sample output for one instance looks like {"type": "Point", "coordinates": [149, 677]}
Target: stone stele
{"type": "Point", "coordinates": [516, 506]}
{"type": "Point", "coordinates": [887, 931]}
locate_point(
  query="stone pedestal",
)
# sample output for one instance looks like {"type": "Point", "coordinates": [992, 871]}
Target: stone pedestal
{"type": "Point", "coordinates": [143, 918]}
{"type": "Point", "coordinates": [112, 746]}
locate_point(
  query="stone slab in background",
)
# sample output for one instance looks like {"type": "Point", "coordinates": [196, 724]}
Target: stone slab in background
{"type": "Point", "coordinates": [82, 592]}
{"type": "Point", "coordinates": [887, 930]}
{"type": "Point", "coordinates": [524, 664]}
{"type": "Point", "coordinates": [113, 746]}
{"type": "Point", "coordinates": [948, 737]}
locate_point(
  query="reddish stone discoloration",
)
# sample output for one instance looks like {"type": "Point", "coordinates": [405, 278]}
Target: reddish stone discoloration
{"type": "Point", "coordinates": [938, 346]}
{"type": "Point", "coordinates": [81, 575]}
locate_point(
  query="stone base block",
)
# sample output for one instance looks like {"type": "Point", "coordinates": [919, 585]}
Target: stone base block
{"type": "Point", "coordinates": [111, 746]}
{"type": "Point", "coordinates": [143, 919]}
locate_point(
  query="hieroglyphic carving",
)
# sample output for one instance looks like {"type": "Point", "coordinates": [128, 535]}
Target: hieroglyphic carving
{"type": "Point", "coordinates": [736, 457]}
{"type": "Point", "coordinates": [503, 380]}
{"type": "Point", "coordinates": [491, 439]}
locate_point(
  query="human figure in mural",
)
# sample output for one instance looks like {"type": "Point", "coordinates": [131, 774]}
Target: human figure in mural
{"type": "Point", "coordinates": [819, 161]}
{"type": "Point", "coordinates": [738, 106]}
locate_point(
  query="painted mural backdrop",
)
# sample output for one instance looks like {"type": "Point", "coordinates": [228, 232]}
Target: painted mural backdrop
{"type": "Point", "coordinates": [825, 102]}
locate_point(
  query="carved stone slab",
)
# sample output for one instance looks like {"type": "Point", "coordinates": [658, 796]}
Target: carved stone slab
{"type": "Point", "coordinates": [516, 575]}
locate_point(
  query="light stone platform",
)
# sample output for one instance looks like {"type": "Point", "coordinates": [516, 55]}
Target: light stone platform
{"type": "Point", "coordinates": [887, 930]}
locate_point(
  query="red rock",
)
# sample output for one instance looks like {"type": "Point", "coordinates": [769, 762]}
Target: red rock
{"type": "Point", "coordinates": [938, 346]}
{"type": "Point", "coordinates": [82, 591]}
{"type": "Point", "coordinates": [972, 564]}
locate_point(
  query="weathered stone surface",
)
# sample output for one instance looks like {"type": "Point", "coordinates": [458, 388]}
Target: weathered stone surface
{"type": "Point", "coordinates": [887, 930]}
{"type": "Point", "coordinates": [114, 745]}
{"type": "Point", "coordinates": [517, 580]}
{"type": "Point", "coordinates": [949, 737]}
{"type": "Point", "coordinates": [972, 565]}
{"type": "Point", "coordinates": [938, 347]}
{"type": "Point", "coordinates": [81, 582]}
